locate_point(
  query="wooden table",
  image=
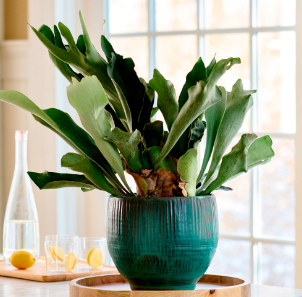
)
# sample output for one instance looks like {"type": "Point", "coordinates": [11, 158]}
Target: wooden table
{"type": "Point", "coordinates": [11, 287]}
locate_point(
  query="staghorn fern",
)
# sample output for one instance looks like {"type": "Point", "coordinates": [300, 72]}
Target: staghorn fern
{"type": "Point", "coordinates": [116, 109]}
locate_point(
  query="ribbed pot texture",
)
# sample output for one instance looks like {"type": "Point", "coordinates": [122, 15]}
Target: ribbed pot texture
{"type": "Point", "coordinates": [164, 243]}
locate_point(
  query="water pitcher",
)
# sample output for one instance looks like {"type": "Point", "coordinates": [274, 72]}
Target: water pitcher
{"type": "Point", "coordinates": [21, 226]}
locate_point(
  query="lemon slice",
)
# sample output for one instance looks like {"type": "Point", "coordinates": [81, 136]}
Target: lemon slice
{"type": "Point", "coordinates": [70, 261]}
{"type": "Point", "coordinates": [95, 258]}
{"type": "Point", "coordinates": [22, 259]}
{"type": "Point", "coordinates": [50, 247]}
{"type": "Point", "coordinates": [57, 253]}
{"type": "Point", "coordinates": [89, 254]}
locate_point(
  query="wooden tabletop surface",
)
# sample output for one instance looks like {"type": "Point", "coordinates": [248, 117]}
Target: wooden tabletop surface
{"type": "Point", "coordinates": [12, 287]}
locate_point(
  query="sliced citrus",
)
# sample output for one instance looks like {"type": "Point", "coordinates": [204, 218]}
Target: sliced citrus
{"type": "Point", "coordinates": [89, 254]}
{"type": "Point", "coordinates": [50, 247]}
{"type": "Point", "coordinates": [70, 261]}
{"type": "Point", "coordinates": [58, 253]}
{"type": "Point", "coordinates": [22, 259]}
{"type": "Point", "coordinates": [95, 258]}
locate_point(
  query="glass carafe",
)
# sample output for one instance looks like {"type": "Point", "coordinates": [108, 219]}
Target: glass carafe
{"type": "Point", "coordinates": [21, 226]}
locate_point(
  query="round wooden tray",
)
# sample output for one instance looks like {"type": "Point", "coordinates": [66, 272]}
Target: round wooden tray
{"type": "Point", "coordinates": [114, 285]}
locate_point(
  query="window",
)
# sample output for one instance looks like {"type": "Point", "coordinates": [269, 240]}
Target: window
{"type": "Point", "coordinates": [257, 221]}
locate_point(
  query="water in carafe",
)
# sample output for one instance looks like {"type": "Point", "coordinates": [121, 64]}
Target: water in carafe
{"type": "Point", "coordinates": [21, 225]}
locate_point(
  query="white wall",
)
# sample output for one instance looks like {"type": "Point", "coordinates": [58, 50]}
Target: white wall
{"type": "Point", "coordinates": [298, 144]}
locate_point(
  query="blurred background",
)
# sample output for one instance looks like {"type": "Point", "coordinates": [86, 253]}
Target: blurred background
{"type": "Point", "coordinates": [259, 229]}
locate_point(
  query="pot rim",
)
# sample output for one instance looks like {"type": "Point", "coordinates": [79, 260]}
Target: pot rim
{"type": "Point", "coordinates": [162, 198]}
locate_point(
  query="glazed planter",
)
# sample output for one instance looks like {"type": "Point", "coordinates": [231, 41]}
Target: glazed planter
{"type": "Point", "coordinates": [162, 243]}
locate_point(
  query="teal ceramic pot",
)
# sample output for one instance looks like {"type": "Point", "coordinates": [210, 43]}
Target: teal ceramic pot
{"type": "Point", "coordinates": [162, 243]}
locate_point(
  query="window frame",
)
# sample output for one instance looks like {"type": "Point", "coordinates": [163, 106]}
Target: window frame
{"type": "Point", "coordinates": [252, 30]}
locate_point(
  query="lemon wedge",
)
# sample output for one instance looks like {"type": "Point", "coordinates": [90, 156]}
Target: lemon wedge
{"type": "Point", "coordinates": [22, 259]}
{"type": "Point", "coordinates": [57, 253]}
{"type": "Point", "coordinates": [95, 258]}
{"type": "Point", "coordinates": [70, 261]}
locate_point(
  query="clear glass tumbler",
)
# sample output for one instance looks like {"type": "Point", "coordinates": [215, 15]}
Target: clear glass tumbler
{"type": "Point", "coordinates": [91, 253]}
{"type": "Point", "coordinates": [61, 253]}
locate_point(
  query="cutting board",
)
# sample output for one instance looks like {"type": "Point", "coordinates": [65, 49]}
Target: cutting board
{"type": "Point", "coordinates": [39, 273]}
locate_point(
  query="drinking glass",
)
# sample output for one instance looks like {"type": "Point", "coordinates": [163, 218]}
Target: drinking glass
{"type": "Point", "coordinates": [61, 253]}
{"type": "Point", "coordinates": [91, 253]}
